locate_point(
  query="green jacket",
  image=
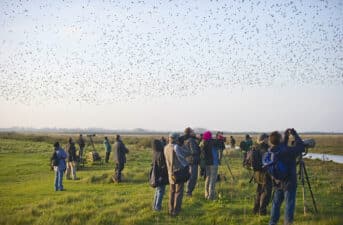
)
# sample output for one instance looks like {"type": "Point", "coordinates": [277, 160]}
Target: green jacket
{"type": "Point", "coordinates": [107, 146]}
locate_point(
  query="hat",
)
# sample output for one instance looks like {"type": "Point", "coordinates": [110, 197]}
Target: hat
{"type": "Point", "coordinates": [207, 135]}
{"type": "Point", "coordinates": [174, 136]}
{"type": "Point", "coordinates": [262, 137]}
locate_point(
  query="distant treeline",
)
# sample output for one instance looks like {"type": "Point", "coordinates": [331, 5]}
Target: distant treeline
{"type": "Point", "coordinates": [137, 131]}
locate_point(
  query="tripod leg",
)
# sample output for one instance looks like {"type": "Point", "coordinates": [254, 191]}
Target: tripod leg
{"type": "Point", "coordinates": [228, 166]}
{"type": "Point", "coordinates": [301, 173]}
{"type": "Point", "coordinates": [309, 186]}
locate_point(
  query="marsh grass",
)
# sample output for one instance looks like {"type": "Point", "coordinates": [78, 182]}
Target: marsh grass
{"type": "Point", "coordinates": [27, 195]}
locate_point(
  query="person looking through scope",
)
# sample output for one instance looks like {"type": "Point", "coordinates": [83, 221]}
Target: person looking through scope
{"type": "Point", "coordinates": [285, 188]}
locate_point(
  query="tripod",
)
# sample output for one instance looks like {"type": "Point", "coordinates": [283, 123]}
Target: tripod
{"type": "Point", "coordinates": [228, 167]}
{"type": "Point", "coordinates": [302, 176]}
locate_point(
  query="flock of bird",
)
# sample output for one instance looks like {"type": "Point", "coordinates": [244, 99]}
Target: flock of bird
{"type": "Point", "coordinates": [108, 51]}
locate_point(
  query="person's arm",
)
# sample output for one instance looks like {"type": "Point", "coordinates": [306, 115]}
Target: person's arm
{"type": "Point", "coordinates": [286, 137]}
{"type": "Point", "coordinates": [298, 148]}
{"type": "Point", "coordinates": [126, 150]}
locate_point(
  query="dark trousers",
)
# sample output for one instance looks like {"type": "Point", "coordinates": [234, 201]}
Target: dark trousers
{"type": "Point", "coordinates": [263, 195]}
{"type": "Point", "coordinates": [193, 170]}
{"type": "Point", "coordinates": [117, 171]}
{"type": "Point", "coordinates": [175, 198]}
{"type": "Point", "coordinates": [220, 155]}
{"type": "Point", "coordinates": [107, 156]}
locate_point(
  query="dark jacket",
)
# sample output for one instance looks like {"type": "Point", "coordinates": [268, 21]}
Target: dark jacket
{"type": "Point", "coordinates": [71, 150]}
{"type": "Point", "coordinates": [159, 163]}
{"type": "Point", "coordinates": [207, 151]}
{"type": "Point", "coordinates": [288, 155]}
{"type": "Point", "coordinates": [220, 144]}
{"type": "Point", "coordinates": [193, 147]}
{"type": "Point", "coordinates": [257, 156]}
{"type": "Point", "coordinates": [119, 151]}
{"type": "Point", "coordinates": [81, 142]}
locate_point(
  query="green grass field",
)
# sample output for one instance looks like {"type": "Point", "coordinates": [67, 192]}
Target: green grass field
{"type": "Point", "coordinates": [27, 195]}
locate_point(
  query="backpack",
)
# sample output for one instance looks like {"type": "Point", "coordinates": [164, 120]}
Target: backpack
{"type": "Point", "coordinates": [96, 156]}
{"type": "Point", "coordinates": [152, 176]}
{"type": "Point", "coordinates": [54, 160]}
{"type": "Point", "coordinates": [253, 160]}
{"type": "Point", "coordinates": [274, 166]}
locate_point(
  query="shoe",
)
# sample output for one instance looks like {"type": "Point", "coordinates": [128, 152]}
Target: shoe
{"type": "Point", "coordinates": [263, 212]}
{"type": "Point", "coordinates": [189, 194]}
{"type": "Point", "coordinates": [255, 211]}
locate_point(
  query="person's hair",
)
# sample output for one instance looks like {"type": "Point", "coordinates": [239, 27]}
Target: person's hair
{"type": "Point", "coordinates": [157, 145]}
{"type": "Point", "coordinates": [56, 144]}
{"type": "Point", "coordinates": [70, 140]}
{"type": "Point", "coordinates": [275, 138]}
{"type": "Point", "coordinates": [117, 137]}
{"type": "Point", "coordinates": [188, 131]}
{"type": "Point", "coordinates": [247, 136]}
{"type": "Point", "coordinates": [105, 137]}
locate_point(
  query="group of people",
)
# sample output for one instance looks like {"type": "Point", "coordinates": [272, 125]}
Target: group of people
{"type": "Point", "coordinates": [191, 153]}
{"type": "Point", "coordinates": [188, 151]}
{"type": "Point", "coordinates": [66, 161]}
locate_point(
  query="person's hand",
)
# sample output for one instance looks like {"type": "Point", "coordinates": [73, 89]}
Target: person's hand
{"type": "Point", "coordinates": [292, 131]}
{"type": "Point", "coordinates": [287, 132]}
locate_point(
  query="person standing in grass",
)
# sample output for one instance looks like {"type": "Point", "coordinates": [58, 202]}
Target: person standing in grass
{"type": "Point", "coordinates": [160, 173]}
{"type": "Point", "coordinates": [232, 142]}
{"type": "Point", "coordinates": [82, 145]}
{"type": "Point", "coordinates": [261, 177]}
{"type": "Point", "coordinates": [71, 160]}
{"type": "Point", "coordinates": [120, 151]}
{"type": "Point", "coordinates": [59, 165]}
{"type": "Point", "coordinates": [175, 156]}
{"type": "Point", "coordinates": [245, 146]}
{"type": "Point", "coordinates": [285, 189]}
{"type": "Point", "coordinates": [193, 160]}
{"type": "Point", "coordinates": [108, 149]}
{"type": "Point", "coordinates": [220, 140]}
{"type": "Point", "coordinates": [210, 151]}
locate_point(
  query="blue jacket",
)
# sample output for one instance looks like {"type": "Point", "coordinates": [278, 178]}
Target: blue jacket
{"type": "Point", "coordinates": [61, 155]}
{"type": "Point", "coordinates": [107, 146]}
{"type": "Point", "coordinates": [288, 155]}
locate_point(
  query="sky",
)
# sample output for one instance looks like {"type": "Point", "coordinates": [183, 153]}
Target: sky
{"type": "Point", "coordinates": [166, 65]}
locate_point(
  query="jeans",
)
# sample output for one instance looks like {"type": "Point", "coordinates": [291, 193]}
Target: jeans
{"type": "Point", "coordinates": [193, 170]}
{"type": "Point", "coordinates": [159, 192]}
{"type": "Point", "coordinates": [279, 196]}
{"type": "Point", "coordinates": [210, 182]}
{"type": "Point", "coordinates": [58, 180]}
